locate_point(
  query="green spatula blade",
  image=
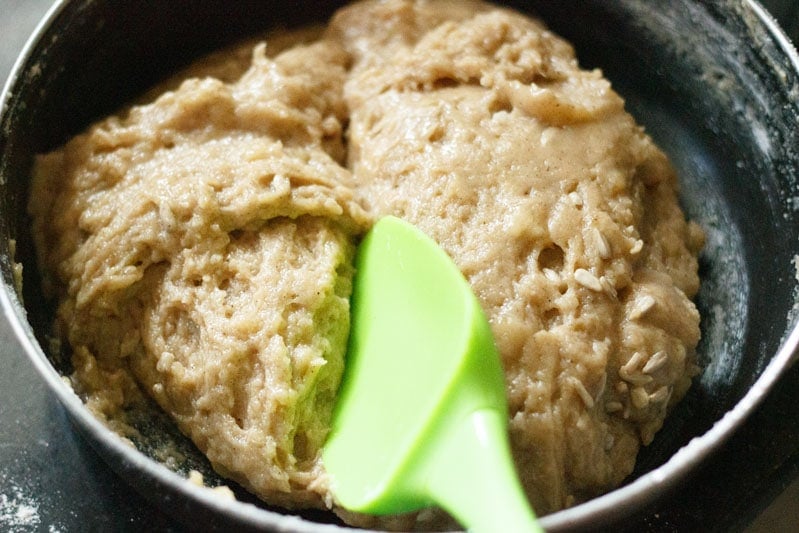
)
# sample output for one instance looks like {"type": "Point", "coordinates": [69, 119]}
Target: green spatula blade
{"type": "Point", "coordinates": [421, 417]}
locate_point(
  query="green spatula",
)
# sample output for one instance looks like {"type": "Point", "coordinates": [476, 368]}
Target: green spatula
{"type": "Point", "coordinates": [422, 416]}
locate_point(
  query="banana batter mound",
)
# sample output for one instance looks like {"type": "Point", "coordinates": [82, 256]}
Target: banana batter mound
{"type": "Point", "coordinates": [201, 245]}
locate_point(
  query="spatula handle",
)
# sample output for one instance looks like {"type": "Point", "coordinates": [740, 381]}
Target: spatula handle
{"type": "Point", "coordinates": [474, 478]}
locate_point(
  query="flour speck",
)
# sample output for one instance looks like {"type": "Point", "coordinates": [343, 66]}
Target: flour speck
{"type": "Point", "coordinates": [18, 512]}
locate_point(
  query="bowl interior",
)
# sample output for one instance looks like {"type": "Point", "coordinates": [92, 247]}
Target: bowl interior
{"type": "Point", "coordinates": [708, 81]}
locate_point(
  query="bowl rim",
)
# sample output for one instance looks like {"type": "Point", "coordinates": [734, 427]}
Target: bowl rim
{"type": "Point", "coordinates": [623, 500]}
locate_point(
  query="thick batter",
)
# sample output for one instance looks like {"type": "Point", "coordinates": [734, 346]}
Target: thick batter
{"type": "Point", "coordinates": [201, 245]}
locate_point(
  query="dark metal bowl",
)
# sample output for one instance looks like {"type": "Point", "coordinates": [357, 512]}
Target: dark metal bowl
{"type": "Point", "coordinates": [715, 83]}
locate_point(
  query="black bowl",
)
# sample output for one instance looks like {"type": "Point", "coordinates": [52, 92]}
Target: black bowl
{"type": "Point", "coordinates": [715, 83]}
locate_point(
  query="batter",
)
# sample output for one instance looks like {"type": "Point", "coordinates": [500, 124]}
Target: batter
{"type": "Point", "coordinates": [200, 245]}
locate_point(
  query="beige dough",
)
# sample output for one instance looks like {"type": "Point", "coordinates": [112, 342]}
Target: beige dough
{"type": "Point", "coordinates": [202, 243]}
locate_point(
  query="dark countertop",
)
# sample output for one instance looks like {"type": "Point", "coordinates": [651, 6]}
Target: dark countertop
{"type": "Point", "coordinates": [52, 481]}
